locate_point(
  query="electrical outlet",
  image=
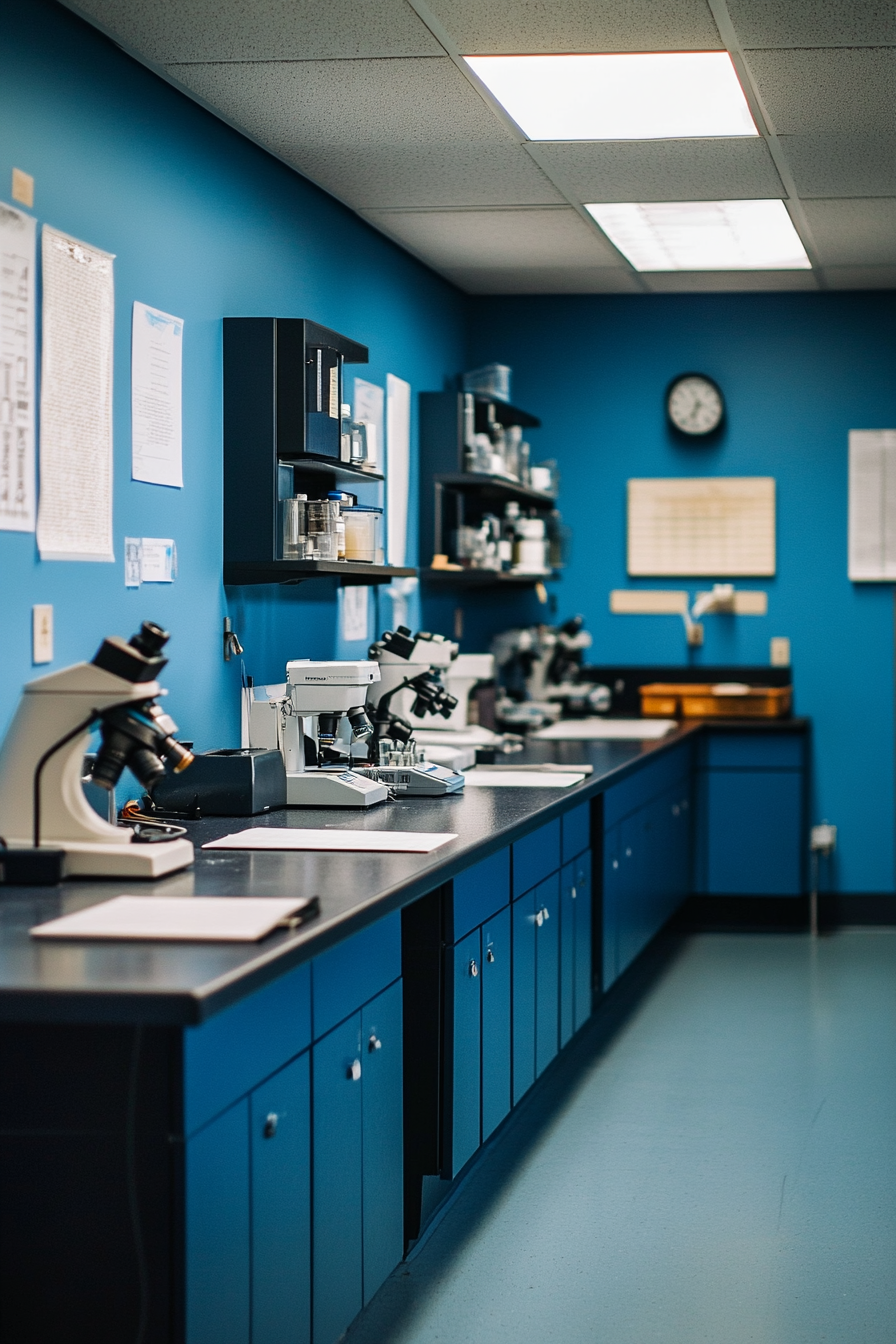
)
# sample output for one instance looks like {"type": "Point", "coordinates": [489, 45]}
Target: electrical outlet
{"type": "Point", "coordinates": [779, 650]}
{"type": "Point", "coordinates": [42, 633]}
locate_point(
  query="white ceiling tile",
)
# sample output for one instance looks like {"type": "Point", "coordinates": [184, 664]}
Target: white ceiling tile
{"type": "Point", "coordinates": [411, 176]}
{"type": "Point", "coordinates": [542, 280]}
{"type": "Point", "coordinates": [860, 277]}
{"type": "Point", "coordinates": [814, 23]}
{"type": "Point", "coordinates": [853, 232]}
{"type": "Point", "coordinates": [290, 106]}
{"type": "Point", "coordinates": [521, 27]}
{"type": "Point", "coordinates": [827, 90]}
{"type": "Point", "coordinates": [855, 164]}
{"type": "Point", "coordinates": [498, 239]}
{"type": "Point", "coordinates": [663, 170]}
{"type": "Point", "coordinates": [165, 31]}
{"type": "Point", "coordinates": [710, 282]}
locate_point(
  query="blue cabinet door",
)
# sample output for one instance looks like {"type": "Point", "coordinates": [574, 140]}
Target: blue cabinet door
{"type": "Point", "coordinates": [581, 898]}
{"type": "Point", "coordinates": [547, 972]}
{"type": "Point", "coordinates": [568, 896]}
{"type": "Point", "coordinates": [217, 1230]}
{"type": "Point", "coordinates": [632, 881]}
{"type": "Point", "coordinates": [382, 1147]}
{"type": "Point", "coordinates": [337, 1067]}
{"type": "Point", "coordinates": [523, 916]}
{"type": "Point", "coordinates": [612, 896]}
{"type": "Point", "coordinates": [281, 1206]}
{"type": "Point", "coordinates": [754, 832]}
{"type": "Point", "coordinates": [463, 1050]}
{"type": "Point", "coordinates": [495, 1021]}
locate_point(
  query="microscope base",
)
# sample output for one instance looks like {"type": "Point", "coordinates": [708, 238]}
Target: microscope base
{"type": "Point", "coordinates": [333, 788]}
{"type": "Point", "coordinates": [146, 861]}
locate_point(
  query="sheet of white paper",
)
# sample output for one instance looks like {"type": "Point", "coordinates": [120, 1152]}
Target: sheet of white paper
{"type": "Point", "coordinates": [18, 262]}
{"type": "Point", "coordinates": [156, 378]}
{"type": "Point", "coordinates": [368, 406]}
{"type": "Point", "coordinates": [355, 842]}
{"type": "Point", "coordinates": [158, 560]}
{"type": "Point", "coordinates": [398, 467]}
{"type": "Point", "coordinates": [519, 779]}
{"type": "Point", "coordinates": [133, 558]}
{"type": "Point", "coordinates": [872, 505]}
{"type": "Point", "coordinates": [596, 730]}
{"type": "Point", "coordinates": [712, 525]}
{"type": "Point", "coordinates": [474, 736]}
{"type": "Point", "coordinates": [354, 613]}
{"type": "Point", "coordinates": [74, 516]}
{"type": "Point", "coordinates": [217, 919]}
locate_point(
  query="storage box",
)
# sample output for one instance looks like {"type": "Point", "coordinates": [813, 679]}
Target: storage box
{"type": "Point", "coordinates": [683, 701]}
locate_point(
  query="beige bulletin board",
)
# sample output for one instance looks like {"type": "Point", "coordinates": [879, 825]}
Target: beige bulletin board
{"type": "Point", "coordinates": [715, 526]}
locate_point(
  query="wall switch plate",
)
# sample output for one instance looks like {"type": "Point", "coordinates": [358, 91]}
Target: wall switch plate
{"type": "Point", "coordinates": [23, 188]}
{"type": "Point", "coordinates": [42, 633]}
{"type": "Point", "coordinates": [779, 651]}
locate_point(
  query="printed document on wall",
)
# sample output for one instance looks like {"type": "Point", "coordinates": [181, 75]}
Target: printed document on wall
{"type": "Point", "coordinates": [17, 322]}
{"type": "Point", "coordinates": [872, 505]}
{"type": "Point", "coordinates": [157, 341]}
{"type": "Point", "coordinates": [398, 467]}
{"type": "Point", "coordinates": [718, 526]}
{"type": "Point", "coordinates": [74, 516]}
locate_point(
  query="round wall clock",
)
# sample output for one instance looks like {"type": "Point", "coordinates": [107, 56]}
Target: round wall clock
{"type": "Point", "coordinates": [694, 404]}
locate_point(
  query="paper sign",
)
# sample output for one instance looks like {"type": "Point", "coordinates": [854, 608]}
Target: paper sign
{"type": "Point", "coordinates": [354, 613]}
{"type": "Point", "coordinates": [158, 560]}
{"type": "Point", "coordinates": [17, 313]}
{"type": "Point", "coordinates": [156, 376]}
{"type": "Point", "coordinates": [398, 467]}
{"type": "Point", "coordinates": [369, 402]}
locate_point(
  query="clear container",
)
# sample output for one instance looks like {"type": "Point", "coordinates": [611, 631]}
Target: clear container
{"type": "Point", "coordinates": [294, 528]}
{"type": "Point", "coordinates": [492, 380]}
{"type": "Point", "coordinates": [323, 520]}
{"type": "Point", "coordinates": [362, 532]}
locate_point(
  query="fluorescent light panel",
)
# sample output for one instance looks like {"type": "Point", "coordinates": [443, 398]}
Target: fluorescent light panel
{"type": "Point", "coordinates": [704, 235]}
{"type": "Point", "coordinates": [652, 96]}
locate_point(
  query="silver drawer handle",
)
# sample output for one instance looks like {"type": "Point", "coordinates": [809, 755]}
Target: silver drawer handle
{"type": "Point", "coordinates": [374, 1043]}
{"type": "Point", "coordinates": [354, 1071]}
{"type": "Point", "coordinates": [490, 956]}
{"type": "Point", "coordinates": [270, 1125]}
{"type": "Point", "coordinates": [474, 969]}
{"type": "Point", "coordinates": [546, 914]}
{"type": "Point", "coordinates": [539, 917]}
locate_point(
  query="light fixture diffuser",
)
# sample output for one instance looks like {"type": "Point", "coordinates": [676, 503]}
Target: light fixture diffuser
{"type": "Point", "coordinates": [704, 235]}
{"type": "Point", "coordinates": [642, 96]}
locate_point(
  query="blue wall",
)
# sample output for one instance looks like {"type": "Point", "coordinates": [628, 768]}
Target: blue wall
{"type": "Point", "coordinates": [798, 371]}
{"type": "Point", "coordinates": [203, 224]}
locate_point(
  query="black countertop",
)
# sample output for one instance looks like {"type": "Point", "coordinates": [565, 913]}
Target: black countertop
{"type": "Point", "coordinates": [184, 984]}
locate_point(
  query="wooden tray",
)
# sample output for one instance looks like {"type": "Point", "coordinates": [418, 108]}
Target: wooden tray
{"type": "Point", "coordinates": [680, 700]}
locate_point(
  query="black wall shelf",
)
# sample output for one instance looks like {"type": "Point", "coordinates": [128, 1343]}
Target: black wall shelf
{"type": "Point", "coordinates": [300, 571]}
{"type": "Point", "coordinates": [483, 578]}
{"type": "Point", "coordinates": [498, 488]}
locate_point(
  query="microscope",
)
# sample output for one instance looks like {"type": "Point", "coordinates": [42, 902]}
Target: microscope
{"type": "Point", "coordinates": [409, 667]}
{"type": "Point", "coordinates": [541, 670]}
{"type": "Point", "coordinates": [48, 827]}
{"type": "Point", "coordinates": [323, 700]}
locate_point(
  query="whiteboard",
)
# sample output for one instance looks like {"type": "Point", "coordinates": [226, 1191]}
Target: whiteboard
{"type": "Point", "coordinates": [718, 526]}
{"type": "Point", "coordinates": [872, 505]}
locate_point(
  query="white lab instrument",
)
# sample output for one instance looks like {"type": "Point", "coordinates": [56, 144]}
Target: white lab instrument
{"type": "Point", "coordinates": [410, 677]}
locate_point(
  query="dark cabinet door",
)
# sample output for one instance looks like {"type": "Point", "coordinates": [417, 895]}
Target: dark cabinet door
{"type": "Point", "coordinates": [547, 972]}
{"type": "Point", "coordinates": [495, 1021]}
{"type": "Point", "coordinates": [631, 897]}
{"type": "Point", "coordinates": [567, 953]}
{"type": "Point", "coordinates": [217, 1230]}
{"type": "Point", "coordinates": [337, 1065]}
{"type": "Point", "coordinates": [523, 930]}
{"type": "Point", "coordinates": [281, 1206]}
{"type": "Point", "coordinates": [582, 974]}
{"type": "Point", "coordinates": [463, 1054]}
{"type": "Point", "coordinates": [612, 899]}
{"type": "Point", "coordinates": [754, 832]}
{"type": "Point", "coordinates": [382, 1148]}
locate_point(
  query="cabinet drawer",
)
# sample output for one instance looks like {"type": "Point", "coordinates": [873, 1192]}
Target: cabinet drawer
{"type": "Point", "coordinates": [535, 857]}
{"type": "Point", "coordinates": [478, 894]}
{"type": "Point", "coordinates": [753, 751]}
{"type": "Point", "coordinates": [576, 831]}
{"type": "Point", "coordinates": [229, 1054]}
{"type": "Point", "coordinates": [352, 972]}
{"type": "Point", "coordinates": [651, 779]}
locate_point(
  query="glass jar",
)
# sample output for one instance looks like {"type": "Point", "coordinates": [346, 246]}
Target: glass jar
{"type": "Point", "coordinates": [294, 528]}
{"type": "Point", "coordinates": [362, 529]}
{"type": "Point", "coordinates": [323, 536]}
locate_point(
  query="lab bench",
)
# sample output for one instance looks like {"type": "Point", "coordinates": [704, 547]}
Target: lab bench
{"type": "Point", "coordinates": [240, 1141]}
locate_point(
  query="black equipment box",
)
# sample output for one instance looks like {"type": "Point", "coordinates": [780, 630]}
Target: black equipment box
{"type": "Point", "coordinates": [240, 782]}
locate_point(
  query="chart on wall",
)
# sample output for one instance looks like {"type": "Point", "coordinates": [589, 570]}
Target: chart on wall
{"type": "Point", "coordinates": [715, 526]}
{"type": "Point", "coordinates": [872, 505]}
{"type": "Point", "coordinates": [17, 328]}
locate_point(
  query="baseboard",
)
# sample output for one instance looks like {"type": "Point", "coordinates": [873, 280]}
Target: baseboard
{"type": "Point", "coordinates": [707, 914]}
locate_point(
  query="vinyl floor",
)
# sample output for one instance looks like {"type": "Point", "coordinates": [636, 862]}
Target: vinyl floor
{"type": "Point", "coordinates": [721, 1168]}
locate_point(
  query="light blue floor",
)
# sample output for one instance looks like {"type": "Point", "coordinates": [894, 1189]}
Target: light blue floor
{"type": "Point", "coordinates": [723, 1170]}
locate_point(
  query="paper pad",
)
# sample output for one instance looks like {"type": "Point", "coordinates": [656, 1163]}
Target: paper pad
{"type": "Point", "coordinates": [356, 842]}
{"type": "Point", "coordinates": [520, 779]}
{"type": "Point", "coordinates": [214, 919]}
{"type": "Point", "coordinates": [595, 730]}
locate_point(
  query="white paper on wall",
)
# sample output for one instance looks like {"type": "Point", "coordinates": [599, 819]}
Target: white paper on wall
{"type": "Point", "coordinates": [369, 407]}
{"type": "Point", "coordinates": [18, 261]}
{"type": "Point", "coordinates": [156, 380]}
{"type": "Point", "coordinates": [398, 467]}
{"type": "Point", "coordinates": [74, 518]}
{"type": "Point", "coordinates": [354, 613]}
{"type": "Point", "coordinates": [872, 505]}
{"type": "Point", "coordinates": [718, 526]}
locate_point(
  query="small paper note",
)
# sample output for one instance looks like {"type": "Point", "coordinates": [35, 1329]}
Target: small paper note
{"type": "Point", "coordinates": [355, 842]}
{"type": "Point", "coordinates": [354, 613]}
{"type": "Point", "coordinates": [520, 779]}
{"type": "Point", "coordinates": [156, 377]}
{"type": "Point", "coordinates": [158, 562]}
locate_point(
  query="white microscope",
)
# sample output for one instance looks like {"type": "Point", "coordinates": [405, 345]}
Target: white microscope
{"type": "Point", "coordinates": [303, 717]}
{"type": "Point", "coordinates": [48, 827]}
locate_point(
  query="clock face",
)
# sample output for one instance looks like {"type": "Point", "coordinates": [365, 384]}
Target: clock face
{"type": "Point", "coordinates": [695, 404]}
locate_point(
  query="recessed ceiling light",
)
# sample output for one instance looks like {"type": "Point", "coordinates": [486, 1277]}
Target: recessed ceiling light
{"type": "Point", "coordinates": [704, 235]}
{"type": "Point", "coordinates": [652, 96]}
